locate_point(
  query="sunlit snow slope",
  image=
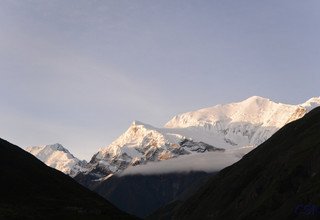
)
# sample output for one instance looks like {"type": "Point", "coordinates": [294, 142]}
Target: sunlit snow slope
{"type": "Point", "coordinates": [58, 157]}
{"type": "Point", "coordinates": [231, 126]}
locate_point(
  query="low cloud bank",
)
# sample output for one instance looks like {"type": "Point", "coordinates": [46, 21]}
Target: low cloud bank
{"type": "Point", "coordinates": [208, 162]}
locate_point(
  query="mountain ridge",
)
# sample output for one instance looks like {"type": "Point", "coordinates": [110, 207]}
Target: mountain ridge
{"type": "Point", "coordinates": [58, 157]}
{"type": "Point", "coordinates": [234, 125]}
{"type": "Point", "coordinates": [277, 180]}
{"type": "Point", "coordinates": [247, 123]}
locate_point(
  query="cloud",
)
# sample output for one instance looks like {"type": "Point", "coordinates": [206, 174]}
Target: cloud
{"type": "Point", "coordinates": [208, 162]}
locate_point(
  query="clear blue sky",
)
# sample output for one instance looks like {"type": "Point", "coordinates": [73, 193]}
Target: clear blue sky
{"type": "Point", "coordinates": [79, 72]}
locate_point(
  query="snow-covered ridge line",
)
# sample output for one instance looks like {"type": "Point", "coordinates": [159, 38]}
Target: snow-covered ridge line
{"type": "Point", "coordinates": [231, 126]}
{"type": "Point", "coordinates": [58, 157]}
{"type": "Point", "coordinates": [255, 110]}
{"type": "Point", "coordinates": [143, 143]}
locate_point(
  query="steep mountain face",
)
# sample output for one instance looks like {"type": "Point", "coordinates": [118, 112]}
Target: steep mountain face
{"type": "Point", "coordinates": [31, 190]}
{"type": "Point", "coordinates": [231, 126]}
{"type": "Point", "coordinates": [140, 144]}
{"type": "Point", "coordinates": [58, 157]}
{"type": "Point", "coordinates": [277, 180]}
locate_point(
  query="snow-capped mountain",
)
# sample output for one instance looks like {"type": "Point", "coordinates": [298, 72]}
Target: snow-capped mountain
{"type": "Point", "coordinates": [244, 124]}
{"type": "Point", "coordinates": [143, 143]}
{"type": "Point", "coordinates": [58, 157]}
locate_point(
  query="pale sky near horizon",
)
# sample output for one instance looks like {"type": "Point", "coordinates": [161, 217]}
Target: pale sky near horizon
{"type": "Point", "coordinates": [78, 72]}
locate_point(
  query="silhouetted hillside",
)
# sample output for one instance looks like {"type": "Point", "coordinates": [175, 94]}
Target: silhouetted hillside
{"type": "Point", "coordinates": [31, 190]}
{"type": "Point", "coordinates": [280, 179]}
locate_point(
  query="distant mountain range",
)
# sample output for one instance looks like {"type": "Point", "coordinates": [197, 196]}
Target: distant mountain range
{"type": "Point", "coordinates": [235, 125]}
{"type": "Point", "coordinates": [202, 141]}
{"type": "Point", "coordinates": [211, 138]}
{"type": "Point", "coordinates": [223, 127]}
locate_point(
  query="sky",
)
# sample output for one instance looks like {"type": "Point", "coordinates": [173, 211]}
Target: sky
{"type": "Point", "coordinates": [78, 72]}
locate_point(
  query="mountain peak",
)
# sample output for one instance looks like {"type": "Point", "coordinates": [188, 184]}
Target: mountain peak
{"type": "Point", "coordinates": [256, 99]}
{"type": "Point", "coordinates": [313, 100]}
{"type": "Point", "coordinates": [311, 103]}
{"type": "Point", "coordinates": [58, 157]}
{"type": "Point", "coordinates": [136, 122]}
{"type": "Point", "coordinates": [57, 147]}
{"type": "Point", "coordinates": [254, 103]}
{"type": "Point", "coordinates": [142, 124]}
{"type": "Point", "coordinates": [255, 110]}
{"type": "Point", "coordinates": [48, 149]}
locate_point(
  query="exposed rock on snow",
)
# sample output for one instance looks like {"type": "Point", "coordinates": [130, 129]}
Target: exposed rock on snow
{"type": "Point", "coordinates": [231, 126]}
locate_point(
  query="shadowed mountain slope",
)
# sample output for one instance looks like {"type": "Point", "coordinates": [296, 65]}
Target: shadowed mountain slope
{"type": "Point", "coordinates": [31, 190]}
{"type": "Point", "coordinates": [280, 179]}
{"type": "Point", "coordinates": [141, 195]}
